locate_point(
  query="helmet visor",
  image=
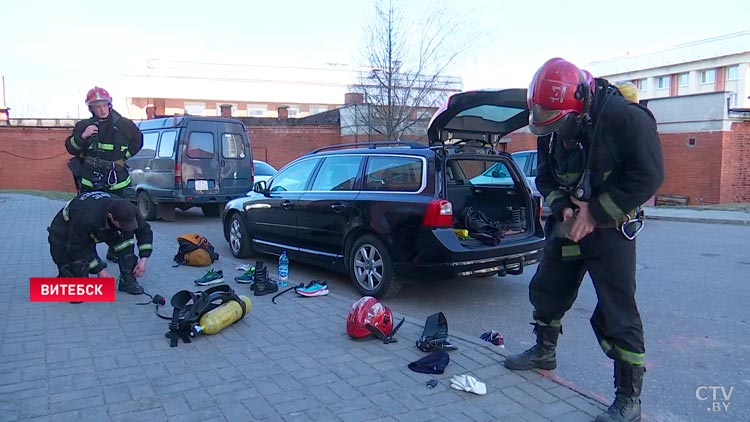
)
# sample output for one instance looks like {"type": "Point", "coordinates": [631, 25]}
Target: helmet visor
{"type": "Point", "coordinates": [543, 122]}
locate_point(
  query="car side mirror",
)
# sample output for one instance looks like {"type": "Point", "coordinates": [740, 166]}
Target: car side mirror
{"type": "Point", "coordinates": [260, 187]}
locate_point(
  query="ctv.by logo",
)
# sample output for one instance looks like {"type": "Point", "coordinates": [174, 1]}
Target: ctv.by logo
{"type": "Point", "coordinates": [718, 395]}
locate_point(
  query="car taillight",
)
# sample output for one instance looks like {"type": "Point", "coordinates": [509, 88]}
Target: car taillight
{"type": "Point", "coordinates": [177, 175]}
{"type": "Point", "coordinates": [439, 214]}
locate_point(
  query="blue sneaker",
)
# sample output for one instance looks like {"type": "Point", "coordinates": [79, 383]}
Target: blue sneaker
{"type": "Point", "coordinates": [246, 277]}
{"type": "Point", "coordinates": [211, 277]}
{"type": "Point", "coordinates": [313, 288]}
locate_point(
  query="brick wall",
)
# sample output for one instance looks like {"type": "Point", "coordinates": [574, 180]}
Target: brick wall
{"type": "Point", "coordinates": [34, 158]}
{"type": "Point", "coordinates": [716, 168]}
{"type": "Point", "coordinates": [281, 144]}
{"type": "Point", "coordinates": [735, 171]}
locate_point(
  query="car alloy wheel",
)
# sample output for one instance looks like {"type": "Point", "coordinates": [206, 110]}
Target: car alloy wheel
{"type": "Point", "coordinates": [368, 266]}
{"type": "Point", "coordinates": [240, 241]}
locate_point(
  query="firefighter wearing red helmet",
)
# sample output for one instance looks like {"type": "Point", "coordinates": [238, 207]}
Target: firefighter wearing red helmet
{"type": "Point", "coordinates": [100, 146]}
{"type": "Point", "coordinates": [599, 160]}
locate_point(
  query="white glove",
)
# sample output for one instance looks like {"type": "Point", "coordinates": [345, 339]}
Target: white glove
{"type": "Point", "coordinates": [458, 382]}
{"type": "Point", "coordinates": [469, 384]}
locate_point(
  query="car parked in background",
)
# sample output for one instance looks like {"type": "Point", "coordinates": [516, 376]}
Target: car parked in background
{"type": "Point", "coordinates": [263, 171]}
{"type": "Point", "coordinates": [527, 162]}
{"type": "Point", "coordinates": [385, 212]}
{"type": "Point", "coordinates": [189, 161]}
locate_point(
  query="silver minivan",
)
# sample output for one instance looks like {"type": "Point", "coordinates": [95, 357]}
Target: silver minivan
{"type": "Point", "coordinates": [189, 161]}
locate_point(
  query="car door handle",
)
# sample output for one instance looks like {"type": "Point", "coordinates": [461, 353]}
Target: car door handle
{"type": "Point", "coordinates": [287, 205]}
{"type": "Point", "coordinates": [338, 207]}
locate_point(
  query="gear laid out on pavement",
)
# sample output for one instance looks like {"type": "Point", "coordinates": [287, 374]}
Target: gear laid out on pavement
{"type": "Point", "coordinates": [369, 317]}
{"type": "Point", "coordinates": [493, 337]}
{"type": "Point", "coordinates": [435, 334]}
{"type": "Point", "coordinates": [313, 289]}
{"type": "Point", "coordinates": [190, 308]}
{"type": "Point", "coordinates": [469, 384]}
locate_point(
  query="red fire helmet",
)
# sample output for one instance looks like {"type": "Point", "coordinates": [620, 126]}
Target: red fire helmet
{"type": "Point", "coordinates": [368, 311]}
{"type": "Point", "coordinates": [97, 94]}
{"type": "Point", "coordinates": [558, 89]}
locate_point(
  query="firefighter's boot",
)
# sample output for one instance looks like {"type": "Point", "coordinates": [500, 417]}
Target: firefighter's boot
{"type": "Point", "coordinates": [127, 282]}
{"type": "Point", "coordinates": [541, 355]}
{"type": "Point", "coordinates": [74, 269]}
{"type": "Point", "coordinates": [627, 404]}
{"type": "Point", "coordinates": [263, 284]}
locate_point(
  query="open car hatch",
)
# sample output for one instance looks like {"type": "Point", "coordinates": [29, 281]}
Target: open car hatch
{"type": "Point", "coordinates": [484, 115]}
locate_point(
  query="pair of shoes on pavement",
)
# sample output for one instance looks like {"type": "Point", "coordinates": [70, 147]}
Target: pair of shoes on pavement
{"type": "Point", "coordinates": [210, 278]}
{"type": "Point", "coordinates": [313, 288]}
{"type": "Point", "coordinates": [248, 277]}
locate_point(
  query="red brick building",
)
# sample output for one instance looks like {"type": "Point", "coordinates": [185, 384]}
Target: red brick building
{"type": "Point", "coordinates": [706, 154]}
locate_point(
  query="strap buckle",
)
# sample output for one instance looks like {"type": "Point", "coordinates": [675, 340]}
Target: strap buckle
{"type": "Point", "coordinates": [632, 225]}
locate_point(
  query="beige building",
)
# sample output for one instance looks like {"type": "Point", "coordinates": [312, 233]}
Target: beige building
{"type": "Point", "coordinates": [720, 64]}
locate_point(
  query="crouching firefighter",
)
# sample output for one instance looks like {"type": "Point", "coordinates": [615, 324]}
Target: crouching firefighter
{"type": "Point", "coordinates": [100, 217]}
{"type": "Point", "coordinates": [599, 159]}
{"type": "Point", "coordinates": [100, 147]}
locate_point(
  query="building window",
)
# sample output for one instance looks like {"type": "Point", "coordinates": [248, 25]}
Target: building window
{"type": "Point", "coordinates": [662, 82]}
{"type": "Point", "coordinates": [683, 79]}
{"type": "Point", "coordinates": [316, 108]}
{"type": "Point", "coordinates": [733, 99]}
{"type": "Point", "coordinates": [194, 109]}
{"type": "Point", "coordinates": [708, 76]}
{"type": "Point", "coordinates": [257, 110]}
{"type": "Point", "coordinates": [733, 72]}
{"type": "Point", "coordinates": [293, 111]}
{"type": "Point", "coordinates": [642, 84]}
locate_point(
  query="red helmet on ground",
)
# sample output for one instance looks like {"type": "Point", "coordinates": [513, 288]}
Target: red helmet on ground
{"type": "Point", "coordinates": [97, 94]}
{"type": "Point", "coordinates": [558, 90]}
{"type": "Point", "coordinates": [369, 312]}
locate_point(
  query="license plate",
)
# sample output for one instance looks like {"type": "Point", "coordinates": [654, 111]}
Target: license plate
{"type": "Point", "coordinates": [201, 185]}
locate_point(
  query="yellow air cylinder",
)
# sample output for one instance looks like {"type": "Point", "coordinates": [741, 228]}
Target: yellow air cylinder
{"type": "Point", "coordinates": [222, 317]}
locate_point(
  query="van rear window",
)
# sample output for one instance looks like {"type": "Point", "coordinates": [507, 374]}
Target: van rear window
{"type": "Point", "coordinates": [232, 146]}
{"type": "Point", "coordinates": [201, 145]}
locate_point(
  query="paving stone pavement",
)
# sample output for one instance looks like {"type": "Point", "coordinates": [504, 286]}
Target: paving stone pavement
{"type": "Point", "coordinates": [289, 361]}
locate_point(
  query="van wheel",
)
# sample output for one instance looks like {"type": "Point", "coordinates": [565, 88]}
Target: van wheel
{"type": "Point", "coordinates": [146, 207]}
{"type": "Point", "coordinates": [371, 268]}
{"type": "Point", "coordinates": [211, 210]}
{"type": "Point", "coordinates": [239, 241]}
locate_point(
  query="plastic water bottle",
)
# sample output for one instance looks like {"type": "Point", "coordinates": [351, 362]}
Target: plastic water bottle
{"type": "Point", "coordinates": [283, 269]}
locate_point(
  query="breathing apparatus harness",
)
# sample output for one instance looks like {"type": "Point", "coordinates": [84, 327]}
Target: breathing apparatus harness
{"type": "Point", "coordinates": [189, 307]}
{"type": "Point", "coordinates": [589, 127]}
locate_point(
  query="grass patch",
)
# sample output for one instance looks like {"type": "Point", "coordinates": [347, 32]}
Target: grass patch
{"type": "Point", "coordinates": [45, 193]}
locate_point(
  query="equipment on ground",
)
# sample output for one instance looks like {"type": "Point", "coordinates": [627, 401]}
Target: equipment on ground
{"type": "Point", "coordinates": [189, 308]}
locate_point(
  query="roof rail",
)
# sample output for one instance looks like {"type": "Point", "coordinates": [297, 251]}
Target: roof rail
{"type": "Point", "coordinates": [371, 145]}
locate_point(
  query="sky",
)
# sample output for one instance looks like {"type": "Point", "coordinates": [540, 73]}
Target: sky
{"type": "Point", "coordinates": [55, 50]}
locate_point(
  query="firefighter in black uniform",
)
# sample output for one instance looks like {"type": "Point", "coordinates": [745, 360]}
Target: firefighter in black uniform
{"type": "Point", "coordinates": [599, 160]}
{"type": "Point", "coordinates": [95, 217]}
{"type": "Point", "coordinates": [100, 145]}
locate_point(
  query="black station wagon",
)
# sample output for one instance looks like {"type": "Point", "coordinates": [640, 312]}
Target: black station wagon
{"type": "Point", "coordinates": [386, 212]}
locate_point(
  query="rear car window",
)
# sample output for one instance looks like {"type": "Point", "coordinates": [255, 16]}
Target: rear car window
{"type": "Point", "coordinates": [201, 145]}
{"type": "Point", "coordinates": [263, 169]}
{"type": "Point", "coordinates": [393, 174]}
{"type": "Point", "coordinates": [232, 145]}
{"type": "Point", "coordinates": [479, 172]}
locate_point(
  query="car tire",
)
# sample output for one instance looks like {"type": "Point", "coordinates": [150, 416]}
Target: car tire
{"type": "Point", "coordinates": [146, 207]}
{"type": "Point", "coordinates": [371, 268]}
{"type": "Point", "coordinates": [239, 240]}
{"type": "Point", "coordinates": [211, 210]}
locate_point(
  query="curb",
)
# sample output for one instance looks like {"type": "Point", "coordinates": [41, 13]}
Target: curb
{"type": "Point", "coordinates": [699, 220]}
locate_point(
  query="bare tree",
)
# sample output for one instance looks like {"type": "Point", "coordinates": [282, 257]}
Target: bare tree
{"type": "Point", "coordinates": [405, 64]}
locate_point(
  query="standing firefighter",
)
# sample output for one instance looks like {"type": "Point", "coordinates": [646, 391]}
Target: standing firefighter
{"type": "Point", "coordinates": [599, 160]}
{"type": "Point", "coordinates": [96, 217]}
{"type": "Point", "coordinates": [100, 145]}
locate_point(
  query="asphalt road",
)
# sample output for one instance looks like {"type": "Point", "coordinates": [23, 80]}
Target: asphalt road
{"type": "Point", "coordinates": [693, 294]}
